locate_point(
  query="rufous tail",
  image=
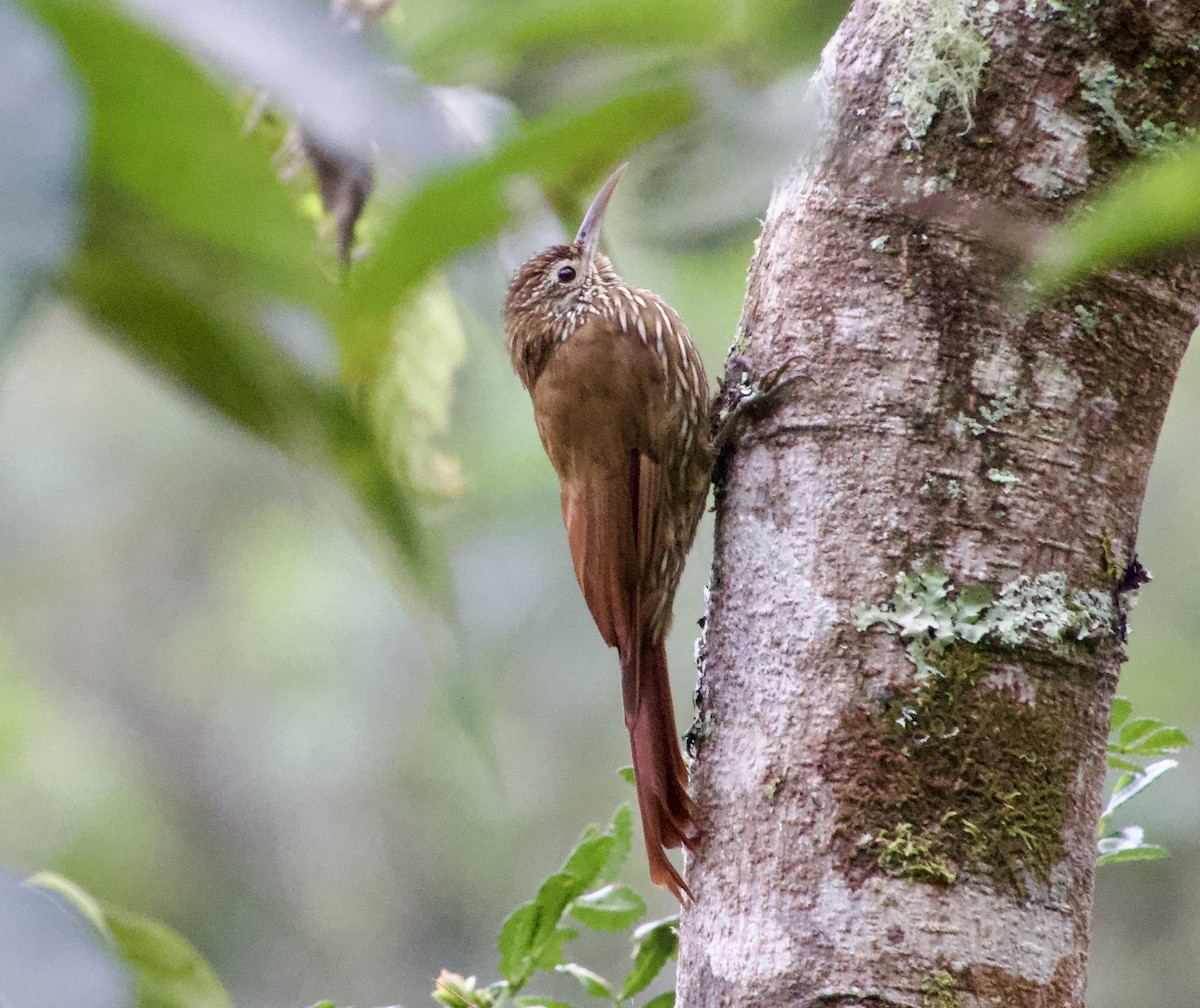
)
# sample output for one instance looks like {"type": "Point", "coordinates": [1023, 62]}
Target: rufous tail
{"type": "Point", "coordinates": [668, 813]}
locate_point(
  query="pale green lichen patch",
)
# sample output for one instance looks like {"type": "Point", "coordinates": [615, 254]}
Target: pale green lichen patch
{"type": "Point", "coordinates": [1004, 478]}
{"type": "Point", "coordinates": [943, 49]}
{"type": "Point", "coordinates": [930, 613]}
{"type": "Point", "coordinates": [1088, 321]}
{"type": "Point", "coordinates": [1102, 87]}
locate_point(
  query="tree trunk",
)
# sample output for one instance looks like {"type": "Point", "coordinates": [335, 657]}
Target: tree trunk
{"type": "Point", "coordinates": [905, 814]}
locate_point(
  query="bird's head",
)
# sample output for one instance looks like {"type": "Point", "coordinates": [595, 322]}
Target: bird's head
{"type": "Point", "coordinates": [552, 290]}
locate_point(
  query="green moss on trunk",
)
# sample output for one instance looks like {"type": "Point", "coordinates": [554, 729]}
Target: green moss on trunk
{"type": "Point", "coordinates": [954, 776]}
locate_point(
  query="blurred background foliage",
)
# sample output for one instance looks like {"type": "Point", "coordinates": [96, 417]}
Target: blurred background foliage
{"type": "Point", "coordinates": [336, 750]}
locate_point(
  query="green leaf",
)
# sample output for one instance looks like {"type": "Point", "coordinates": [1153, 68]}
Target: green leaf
{"type": "Point", "coordinates": [516, 944]}
{"type": "Point", "coordinates": [1129, 785]}
{"type": "Point", "coordinates": [655, 944]}
{"type": "Point", "coordinates": [538, 1002]}
{"type": "Point", "coordinates": [1163, 740]}
{"type": "Point", "coordinates": [1127, 844]}
{"type": "Point", "coordinates": [39, 177]}
{"type": "Point", "coordinates": [531, 938]}
{"type": "Point", "coordinates": [411, 399]}
{"type": "Point", "coordinates": [626, 774]}
{"type": "Point", "coordinates": [590, 858]}
{"type": "Point", "coordinates": [666, 1000]}
{"type": "Point", "coordinates": [1122, 707]}
{"type": "Point", "coordinates": [612, 908]}
{"type": "Point", "coordinates": [1148, 852]}
{"type": "Point", "coordinates": [554, 895]}
{"type": "Point", "coordinates": [170, 973]}
{"type": "Point", "coordinates": [1134, 731]}
{"type": "Point", "coordinates": [1116, 763]}
{"type": "Point", "coordinates": [593, 983]}
{"type": "Point", "coordinates": [550, 951]}
{"type": "Point", "coordinates": [1153, 208]}
{"type": "Point", "coordinates": [622, 834]}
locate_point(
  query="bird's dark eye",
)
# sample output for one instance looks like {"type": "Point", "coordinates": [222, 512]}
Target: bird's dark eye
{"type": "Point", "coordinates": [566, 274]}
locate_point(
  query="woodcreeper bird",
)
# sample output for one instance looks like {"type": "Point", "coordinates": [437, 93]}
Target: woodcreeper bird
{"type": "Point", "coordinates": [620, 399]}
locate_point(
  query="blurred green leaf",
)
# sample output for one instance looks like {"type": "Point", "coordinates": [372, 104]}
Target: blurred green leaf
{"type": "Point", "coordinates": [1121, 709]}
{"type": "Point", "coordinates": [411, 399]}
{"type": "Point", "coordinates": [1116, 763]}
{"type": "Point", "coordinates": [168, 139]}
{"type": "Point", "coordinates": [482, 42]}
{"type": "Point", "coordinates": [1146, 852]}
{"type": "Point", "coordinates": [591, 982]}
{"type": "Point", "coordinates": [1153, 209]}
{"type": "Point", "coordinates": [170, 973]}
{"type": "Point", "coordinates": [666, 1000]}
{"type": "Point", "coordinates": [780, 34]}
{"type": "Point", "coordinates": [38, 176]}
{"type": "Point", "coordinates": [538, 1002]}
{"type": "Point", "coordinates": [612, 908]}
{"type": "Point", "coordinates": [486, 39]}
{"type": "Point", "coordinates": [189, 239]}
{"type": "Point", "coordinates": [1129, 785]}
{"type": "Point", "coordinates": [1128, 844]}
{"type": "Point", "coordinates": [655, 944]}
{"type": "Point", "coordinates": [51, 955]}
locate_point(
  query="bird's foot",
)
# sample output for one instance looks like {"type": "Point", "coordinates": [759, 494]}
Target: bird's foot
{"type": "Point", "coordinates": [743, 398]}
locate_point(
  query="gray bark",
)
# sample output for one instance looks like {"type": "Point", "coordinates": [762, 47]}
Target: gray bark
{"type": "Point", "coordinates": [875, 834]}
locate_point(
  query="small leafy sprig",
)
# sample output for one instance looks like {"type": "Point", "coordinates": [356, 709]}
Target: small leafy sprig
{"type": "Point", "coordinates": [1131, 742]}
{"type": "Point", "coordinates": [585, 890]}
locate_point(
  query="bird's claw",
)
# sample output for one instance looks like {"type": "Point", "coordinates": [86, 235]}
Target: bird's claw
{"type": "Point", "coordinates": [740, 397]}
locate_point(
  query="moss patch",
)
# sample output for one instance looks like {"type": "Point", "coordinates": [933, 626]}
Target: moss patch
{"type": "Point", "coordinates": [938, 991]}
{"type": "Point", "coordinates": [953, 776]}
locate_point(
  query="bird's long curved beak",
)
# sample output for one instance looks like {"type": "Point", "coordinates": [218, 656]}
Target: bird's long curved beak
{"type": "Point", "coordinates": [589, 230]}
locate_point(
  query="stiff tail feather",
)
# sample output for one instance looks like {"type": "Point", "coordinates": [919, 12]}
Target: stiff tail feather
{"type": "Point", "coordinates": [668, 812]}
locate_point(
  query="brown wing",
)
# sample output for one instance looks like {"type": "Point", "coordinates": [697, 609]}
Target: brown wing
{"type": "Point", "coordinates": [620, 406]}
{"type": "Point", "coordinates": [596, 402]}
